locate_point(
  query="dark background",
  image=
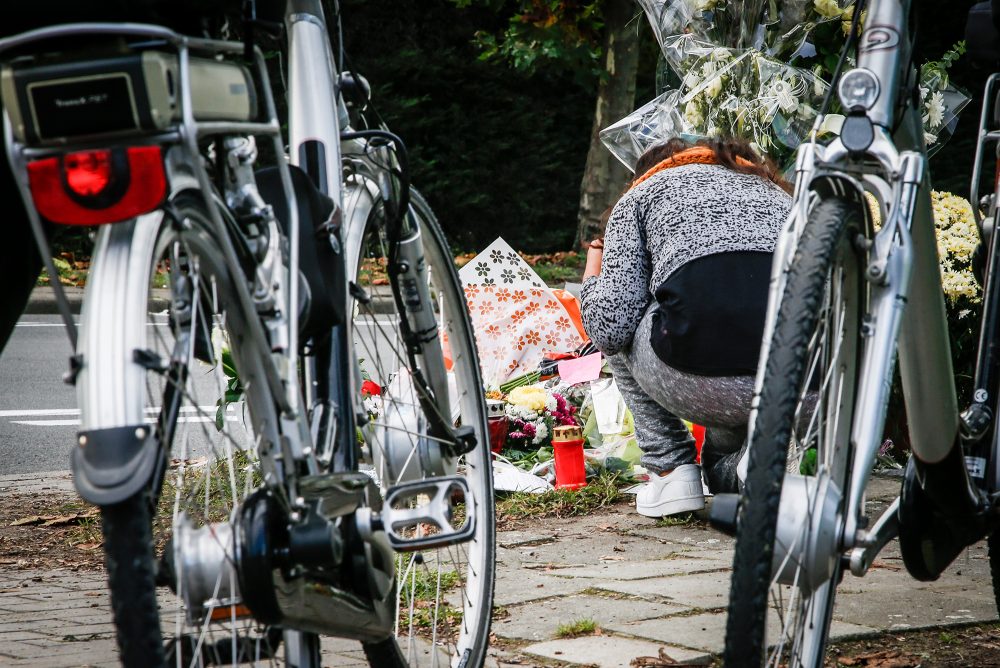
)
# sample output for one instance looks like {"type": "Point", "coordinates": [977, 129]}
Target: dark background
{"type": "Point", "coordinates": [495, 151]}
{"type": "Point", "coordinates": [499, 152]}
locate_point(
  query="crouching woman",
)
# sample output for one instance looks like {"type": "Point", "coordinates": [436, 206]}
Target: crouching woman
{"type": "Point", "coordinates": [675, 296]}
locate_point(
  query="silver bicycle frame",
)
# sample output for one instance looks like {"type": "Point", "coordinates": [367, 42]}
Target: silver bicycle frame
{"type": "Point", "coordinates": [903, 274]}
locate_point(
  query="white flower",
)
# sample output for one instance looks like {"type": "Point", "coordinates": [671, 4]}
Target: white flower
{"type": "Point", "coordinates": [692, 114]}
{"type": "Point", "coordinates": [541, 431]}
{"type": "Point", "coordinates": [935, 111]}
{"type": "Point", "coordinates": [714, 87]}
{"type": "Point", "coordinates": [819, 86]}
{"type": "Point", "coordinates": [714, 131]}
{"type": "Point", "coordinates": [781, 91]}
{"type": "Point", "coordinates": [373, 405]}
{"type": "Point", "coordinates": [708, 69]}
{"type": "Point", "coordinates": [720, 54]}
{"type": "Point", "coordinates": [929, 138]}
{"type": "Point", "coordinates": [832, 123]}
{"type": "Point", "coordinates": [692, 80]}
{"type": "Point", "coordinates": [827, 8]}
{"type": "Point", "coordinates": [520, 412]}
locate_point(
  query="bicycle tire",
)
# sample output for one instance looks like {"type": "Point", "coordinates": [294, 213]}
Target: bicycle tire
{"type": "Point", "coordinates": [824, 273]}
{"type": "Point", "coordinates": [457, 620]}
{"type": "Point", "coordinates": [205, 443]}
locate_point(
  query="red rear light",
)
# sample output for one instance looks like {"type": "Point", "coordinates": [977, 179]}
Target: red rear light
{"type": "Point", "coordinates": [88, 173]}
{"type": "Point", "coordinates": [96, 187]}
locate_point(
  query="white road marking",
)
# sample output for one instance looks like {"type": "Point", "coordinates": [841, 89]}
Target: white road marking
{"type": "Point", "coordinates": [63, 423]}
{"type": "Point", "coordinates": [45, 411]}
{"type": "Point", "coordinates": [46, 423]}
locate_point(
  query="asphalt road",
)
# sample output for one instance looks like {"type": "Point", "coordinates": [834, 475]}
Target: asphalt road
{"type": "Point", "coordinates": [38, 412]}
{"type": "Point", "coordinates": [38, 415]}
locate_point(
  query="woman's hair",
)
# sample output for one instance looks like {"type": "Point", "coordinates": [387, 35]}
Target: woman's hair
{"type": "Point", "coordinates": [726, 150]}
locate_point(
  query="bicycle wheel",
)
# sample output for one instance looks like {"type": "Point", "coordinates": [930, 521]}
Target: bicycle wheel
{"type": "Point", "coordinates": [785, 572]}
{"type": "Point", "coordinates": [444, 596]}
{"type": "Point", "coordinates": [160, 287]}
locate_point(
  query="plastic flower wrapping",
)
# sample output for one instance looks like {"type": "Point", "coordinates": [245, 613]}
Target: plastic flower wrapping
{"type": "Point", "coordinates": [757, 69]}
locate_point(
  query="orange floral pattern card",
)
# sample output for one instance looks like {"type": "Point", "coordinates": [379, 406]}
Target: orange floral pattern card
{"type": "Point", "coordinates": [517, 318]}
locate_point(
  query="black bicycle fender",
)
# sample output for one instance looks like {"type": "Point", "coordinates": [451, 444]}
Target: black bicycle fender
{"type": "Point", "coordinates": [110, 465]}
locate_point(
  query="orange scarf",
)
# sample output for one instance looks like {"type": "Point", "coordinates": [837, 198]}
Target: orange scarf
{"type": "Point", "coordinates": [696, 155]}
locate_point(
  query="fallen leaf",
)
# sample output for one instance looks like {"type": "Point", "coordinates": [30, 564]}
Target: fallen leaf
{"type": "Point", "coordinates": [34, 519]}
{"type": "Point", "coordinates": [889, 567]}
{"type": "Point", "coordinates": [88, 546]}
{"type": "Point", "coordinates": [884, 659]}
{"type": "Point", "coordinates": [62, 519]}
{"type": "Point", "coordinates": [663, 659]}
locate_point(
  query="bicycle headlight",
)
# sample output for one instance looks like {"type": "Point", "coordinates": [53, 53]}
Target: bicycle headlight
{"type": "Point", "coordinates": [858, 88]}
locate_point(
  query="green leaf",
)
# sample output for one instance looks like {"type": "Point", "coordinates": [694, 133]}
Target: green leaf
{"type": "Point", "coordinates": [808, 464]}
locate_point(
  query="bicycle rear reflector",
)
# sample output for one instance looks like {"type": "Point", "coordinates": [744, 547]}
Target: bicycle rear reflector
{"type": "Point", "coordinates": [96, 187]}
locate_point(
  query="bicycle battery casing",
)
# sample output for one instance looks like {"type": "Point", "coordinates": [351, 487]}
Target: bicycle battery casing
{"type": "Point", "coordinates": [52, 103]}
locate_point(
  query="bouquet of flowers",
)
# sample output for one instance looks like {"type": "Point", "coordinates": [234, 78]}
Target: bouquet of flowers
{"type": "Point", "coordinates": [532, 412]}
{"type": "Point", "coordinates": [758, 69]}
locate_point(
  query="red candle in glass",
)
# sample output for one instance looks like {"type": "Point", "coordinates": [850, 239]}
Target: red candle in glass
{"type": "Point", "coordinates": [497, 420]}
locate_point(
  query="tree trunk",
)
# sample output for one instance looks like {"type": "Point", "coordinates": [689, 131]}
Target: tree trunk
{"type": "Point", "coordinates": [605, 178]}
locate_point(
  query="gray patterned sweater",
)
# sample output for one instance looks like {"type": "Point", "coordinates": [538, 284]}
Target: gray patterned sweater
{"type": "Point", "coordinates": [678, 215]}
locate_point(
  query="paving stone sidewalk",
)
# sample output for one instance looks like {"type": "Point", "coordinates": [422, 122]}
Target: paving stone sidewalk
{"type": "Point", "coordinates": [647, 585]}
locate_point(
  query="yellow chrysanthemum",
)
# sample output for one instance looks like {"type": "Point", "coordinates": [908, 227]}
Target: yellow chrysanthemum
{"type": "Point", "coordinates": [528, 396]}
{"type": "Point", "coordinates": [957, 238]}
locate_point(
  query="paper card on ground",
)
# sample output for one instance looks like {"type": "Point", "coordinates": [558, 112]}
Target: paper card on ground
{"type": "Point", "coordinates": [582, 369]}
{"type": "Point", "coordinates": [517, 318]}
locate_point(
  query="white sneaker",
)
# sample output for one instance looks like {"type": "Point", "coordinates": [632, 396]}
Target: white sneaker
{"type": "Point", "coordinates": [679, 492]}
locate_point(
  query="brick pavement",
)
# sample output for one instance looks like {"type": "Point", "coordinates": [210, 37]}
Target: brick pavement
{"type": "Point", "coordinates": [647, 586]}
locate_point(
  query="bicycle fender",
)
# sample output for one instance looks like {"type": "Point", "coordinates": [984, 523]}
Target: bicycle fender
{"type": "Point", "coordinates": [110, 465]}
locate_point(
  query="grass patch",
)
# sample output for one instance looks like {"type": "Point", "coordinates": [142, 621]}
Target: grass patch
{"type": "Point", "coordinates": [600, 492]}
{"type": "Point", "coordinates": [553, 268]}
{"type": "Point", "coordinates": [449, 618]}
{"type": "Point", "coordinates": [558, 268]}
{"type": "Point", "coordinates": [578, 627]}
{"type": "Point", "coordinates": [680, 520]}
{"type": "Point", "coordinates": [422, 583]}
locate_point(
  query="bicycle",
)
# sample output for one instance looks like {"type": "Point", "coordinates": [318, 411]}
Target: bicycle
{"type": "Point", "coordinates": [282, 419]}
{"type": "Point", "coordinates": [842, 292]}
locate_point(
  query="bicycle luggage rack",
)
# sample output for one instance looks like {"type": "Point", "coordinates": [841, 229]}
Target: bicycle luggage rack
{"type": "Point", "coordinates": [184, 130]}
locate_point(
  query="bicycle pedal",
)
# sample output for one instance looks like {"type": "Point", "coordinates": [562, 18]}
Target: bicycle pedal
{"type": "Point", "coordinates": [421, 514]}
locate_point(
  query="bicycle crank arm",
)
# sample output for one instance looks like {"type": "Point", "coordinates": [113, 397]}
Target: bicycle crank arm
{"type": "Point", "coordinates": [420, 514]}
{"type": "Point", "coordinates": [885, 529]}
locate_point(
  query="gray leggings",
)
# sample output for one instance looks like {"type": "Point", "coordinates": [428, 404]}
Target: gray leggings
{"type": "Point", "coordinates": [659, 396]}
